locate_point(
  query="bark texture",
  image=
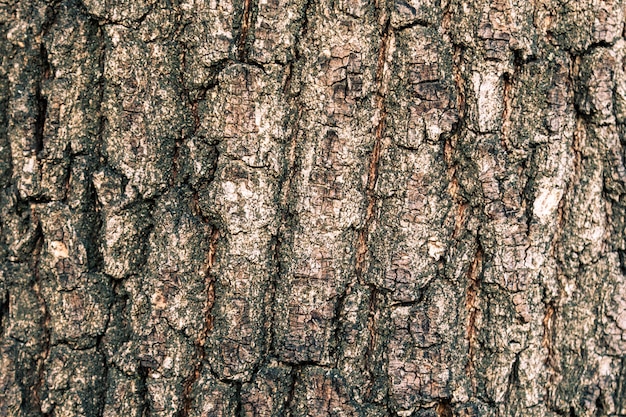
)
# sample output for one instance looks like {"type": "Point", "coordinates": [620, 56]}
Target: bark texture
{"type": "Point", "coordinates": [312, 208]}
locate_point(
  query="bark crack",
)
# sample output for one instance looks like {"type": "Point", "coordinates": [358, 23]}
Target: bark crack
{"type": "Point", "coordinates": [473, 289]}
{"type": "Point", "coordinates": [295, 372]}
{"type": "Point", "coordinates": [362, 250]}
{"type": "Point", "coordinates": [242, 42]}
{"type": "Point", "coordinates": [547, 341]}
{"type": "Point", "coordinates": [507, 109]}
{"type": "Point", "coordinates": [45, 345]}
{"type": "Point", "coordinates": [379, 130]}
{"type": "Point", "coordinates": [4, 313]}
{"type": "Point", "coordinates": [208, 324]}
{"type": "Point", "coordinates": [373, 334]}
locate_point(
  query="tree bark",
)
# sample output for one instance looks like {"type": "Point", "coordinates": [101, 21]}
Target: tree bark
{"type": "Point", "coordinates": [312, 208]}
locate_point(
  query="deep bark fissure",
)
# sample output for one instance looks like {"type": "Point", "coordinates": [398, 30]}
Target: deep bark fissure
{"type": "Point", "coordinates": [379, 131]}
{"type": "Point", "coordinates": [548, 335]}
{"type": "Point", "coordinates": [443, 409]}
{"type": "Point", "coordinates": [42, 105]}
{"type": "Point", "coordinates": [295, 372]}
{"type": "Point", "coordinates": [246, 22]}
{"type": "Point", "coordinates": [372, 307]}
{"type": "Point", "coordinates": [45, 343]}
{"type": "Point", "coordinates": [472, 294]}
{"type": "Point", "coordinates": [208, 324]}
{"type": "Point", "coordinates": [508, 95]}
{"type": "Point", "coordinates": [4, 313]}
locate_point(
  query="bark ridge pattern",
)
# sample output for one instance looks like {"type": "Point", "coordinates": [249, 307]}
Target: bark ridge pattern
{"type": "Point", "coordinates": [312, 208]}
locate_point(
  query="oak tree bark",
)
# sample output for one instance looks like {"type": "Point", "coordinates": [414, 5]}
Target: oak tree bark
{"type": "Point", "coordinates": [312, 208]}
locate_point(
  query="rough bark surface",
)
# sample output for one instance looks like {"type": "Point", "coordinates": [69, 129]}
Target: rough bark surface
{"type": "Point", "coordinates": [312, 208]}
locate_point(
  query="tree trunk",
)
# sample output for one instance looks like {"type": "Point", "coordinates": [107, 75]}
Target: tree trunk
{"type": "Point", "coordinates": [312, 208]}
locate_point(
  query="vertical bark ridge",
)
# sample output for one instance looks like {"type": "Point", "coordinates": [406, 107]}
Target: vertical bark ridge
{"type": "Point", "coordinates": [292, 160]}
